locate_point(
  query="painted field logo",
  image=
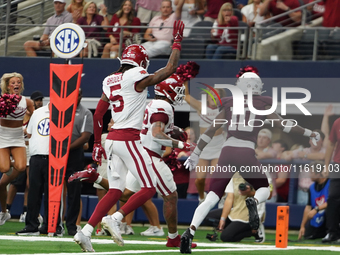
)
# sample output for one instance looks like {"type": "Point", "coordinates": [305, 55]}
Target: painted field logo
{"type": "Point", "coordinates": [67, 40]}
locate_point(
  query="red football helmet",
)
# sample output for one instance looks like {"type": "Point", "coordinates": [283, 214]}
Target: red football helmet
{"type": "Point", "coordinates": [172, 88]}
{"type": "Point", "coordinates": [135, 55]}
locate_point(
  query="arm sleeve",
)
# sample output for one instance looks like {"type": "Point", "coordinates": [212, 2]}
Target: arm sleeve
{"type": "Point", "coordinates": [98, 120]}
{"type": "Point", "coordinates": [162, 117]}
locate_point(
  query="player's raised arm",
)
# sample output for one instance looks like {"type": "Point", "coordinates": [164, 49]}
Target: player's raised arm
{"type": "Point", "coordinates": [172, 64]}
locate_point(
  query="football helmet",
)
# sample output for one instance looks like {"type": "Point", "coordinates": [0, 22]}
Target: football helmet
{"type": "Point", "coordinates": [172, 88]}
{"type": "Point", "coordinates": [250, 80]}
{"type": "Point", "coordinates": [135, 55]}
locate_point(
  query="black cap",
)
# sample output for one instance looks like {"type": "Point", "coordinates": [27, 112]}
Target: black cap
{"type": "Point", "coordinates": [37, 95]}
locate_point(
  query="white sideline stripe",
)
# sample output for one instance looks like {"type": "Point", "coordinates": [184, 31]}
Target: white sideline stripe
{"type": "Point", "coordinates": [224, 246]}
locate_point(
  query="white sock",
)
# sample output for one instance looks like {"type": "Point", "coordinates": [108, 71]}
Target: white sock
{"type": "Point", "coordinates": [203, 209]}
{"type": "Point", "coordinates": [192, 231]}
{"type": "Point", "coordinates": [262, 194]}
{"type": "Point", "coordinates": [172, 236]}
{"type": "Point", "coordinates": [118, 216]}
{"type": "Point", "coordinates": [87, 230]}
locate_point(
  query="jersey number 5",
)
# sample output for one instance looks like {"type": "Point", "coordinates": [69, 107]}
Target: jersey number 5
{"type": "Point", "coordinates": [117, 100]}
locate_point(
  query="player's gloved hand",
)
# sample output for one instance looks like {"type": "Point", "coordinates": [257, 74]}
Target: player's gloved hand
{"type": "Point", "coordinates": [315, 138]}
{"type": "Point", "coordinates": [98, 152]}
{"type": "Point", "coordinates": [191, 162]}
{"type": "Point", "coordinates": [178, 31]}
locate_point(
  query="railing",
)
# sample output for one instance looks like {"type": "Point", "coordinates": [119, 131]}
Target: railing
{"type": "Point", "coordinates": [263, 42]}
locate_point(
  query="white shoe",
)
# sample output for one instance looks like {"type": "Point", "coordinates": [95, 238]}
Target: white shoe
{"type": "Point", "coordinates": [84, 242]}
{"type": "Point", "coordinates": [113, 226]}
{"type": "Point", "coordinates": [260, 236]}
{"type": "Point", "coordinates": [4, 216]}
{"type": "Point", "coordinates": [41, 220]}
{"type": "Point", "coordinates": [123, 228]}
{"type": "Point", "coordinates": [22, 217]}
{"type": "Point", "coordinates": [153, 231]}
{"type": "Point", "coordinates": [129, 230]}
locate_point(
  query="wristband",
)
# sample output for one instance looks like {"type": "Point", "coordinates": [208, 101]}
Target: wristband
{"type": "Point", "coordinates": [176, 46]}
{"type": "Point", "coordinates": [307, 132]}
{"type": "Point", "coordinates": [180, 145]}
{"type": "Point", "coordinates": [288, 126]}
{"type": "Point", "coordinates": [316, 208]}
{"type": "Point", "coordinates": [205, 138]}
{"type": "Point", "coordinates": [222, 219]}
{"type": "Point", "coordinates": [99, 179]}
{"type": "Point", "coordinates": [197, 151]}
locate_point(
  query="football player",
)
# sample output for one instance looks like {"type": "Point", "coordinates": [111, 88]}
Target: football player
{"type": "Point", "coordinates": [157, 125]}
{"type": "Point", "coordinates": [238, 151]}
{"type": "Point", "coordinates": [126, 91]}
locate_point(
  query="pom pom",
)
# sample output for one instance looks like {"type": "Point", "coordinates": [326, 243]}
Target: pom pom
{"type": "Point", "coordinates": [188, 71]}
{"type": "Point", "coordinates": [171, 161]}
{"type": "Point", "coordinates": [246, 69]}
{"type": "Point", "coordinates": [8, 104]}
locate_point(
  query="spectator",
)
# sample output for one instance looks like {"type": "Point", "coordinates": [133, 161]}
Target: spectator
{"type": "Point", "coordinates": [147, 10]}
{"type": "Point", "coordinates": [110, 7]}
{"type": "Point", "coordinates": [313, 224]}
{"type": "Point", "coordinates": [93, 34]}
{"type": "Point", "coordinates": [124, 17]}
{"type": "Point", "coordinates": [281, 178]}
{"type": "Point", "coordinates": [76, 9]}
{"type": "Point", "coordinates": [263, 149]}
{"type": "Point", "coordinates": [61, 16]}
{"type": "Point", "coordinates": [22, 181]}
{"type": "Point", "coordinates": [159, 33]}
{"type": "Point", "coordinates": [12, 143]}
{"type": "Point", "coordinates": [233, 218]}
{"type": "Point", "coordinates": [38, 132]}
{"type": "Point", "coordinates": [276, 7]}
{"type": "Point", "coordinates": [82, 130]}
{"type": "Point", "coordinates": [314, 152]}
{"type": "Point", "coordinates": [331, 14]}
{"type": "Point", "coordinates": [317, 9]}
{"type": "Point", "coordinates": [226, 38]}
{"type": "Point", "coordinates": [332, 162]}
{"type": "Point", "coordinates": [213, 9]}
{"type": "Point", "coordinates": [191, 12]}
{"type": "Point", "coordinates": [251, 13]}
{"type": "Point", "coordinates": [102, 171]}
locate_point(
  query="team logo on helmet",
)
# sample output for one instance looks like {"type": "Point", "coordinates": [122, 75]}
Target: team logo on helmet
{"type": "Point", "coordinates": [135, 55]}
{"type": "Point", "coordinates": [172, 88]}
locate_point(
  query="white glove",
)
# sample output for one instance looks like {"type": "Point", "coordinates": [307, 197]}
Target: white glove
{"type": "Point", "coordinates": [316, 138]}
{"type": "Point", "coordinates": [191, 162]}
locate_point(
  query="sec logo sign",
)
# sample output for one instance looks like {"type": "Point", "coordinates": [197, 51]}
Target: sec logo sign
{"type": "Point", "coordinates": [67, 40]}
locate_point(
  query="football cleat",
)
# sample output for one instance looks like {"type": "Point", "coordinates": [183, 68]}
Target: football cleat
{"type": "Point", "coordinates": [176, 242]}
{"type": "Point", "coordinates": [4, 216]}
{"type": "Point", "coordinates": [186, 242]}
{"type": "Point", "coordinates": [88, 175]}
{"type": "Point", "coordinates": [113, 226]}
{"type": "Point", "coordinates": [83, 241]}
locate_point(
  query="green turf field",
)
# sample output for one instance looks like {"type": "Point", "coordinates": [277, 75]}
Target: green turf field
{"type": "Point", "coordinates": [134, 244]}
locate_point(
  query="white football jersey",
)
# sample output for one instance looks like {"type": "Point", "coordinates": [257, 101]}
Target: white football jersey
{"type": "Point", "coordinates": [127, 104]}
{"type": "Point", "coordinates": [154, 107]}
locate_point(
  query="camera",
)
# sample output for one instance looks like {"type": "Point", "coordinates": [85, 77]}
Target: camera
{"type": "Point", "coordinates": [212, 237]}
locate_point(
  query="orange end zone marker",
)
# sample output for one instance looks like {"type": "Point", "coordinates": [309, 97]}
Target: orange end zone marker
{"type": "Point", "coordinates": [282, 224]}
